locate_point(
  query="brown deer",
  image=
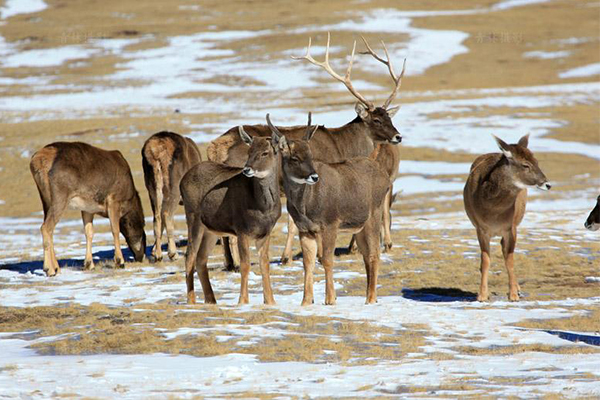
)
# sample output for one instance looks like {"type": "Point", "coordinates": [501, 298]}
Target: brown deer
{"type": "Point", "coordinates": [224, 200]}
{"type": "Point", "coordinates": [593, 220]}
{"type": "Point", "coordinates": [495, 197]}
{"type": "Point", "coordinates": [325, 198]}
{"type": "Point", "coordinates": [166, 157]}
{"type": "Point", "coordinates": [371, 126]}
{"type": "Point", "coordinates": [92, 180]}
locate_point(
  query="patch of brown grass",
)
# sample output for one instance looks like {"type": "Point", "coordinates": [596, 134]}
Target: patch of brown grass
{"type": "Point", "coordinates": [525, 348]}
{"type": "Point", "coordinates": [588, 322]}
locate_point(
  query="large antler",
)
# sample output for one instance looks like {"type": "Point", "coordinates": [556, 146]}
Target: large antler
{"type": "Point", "coordinates": [345, 79]}
{"type": "Point", "coordinates": [388, 63]}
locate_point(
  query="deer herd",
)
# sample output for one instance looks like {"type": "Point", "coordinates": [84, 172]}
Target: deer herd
{"type": "Point", "coordinates": [333, 179]}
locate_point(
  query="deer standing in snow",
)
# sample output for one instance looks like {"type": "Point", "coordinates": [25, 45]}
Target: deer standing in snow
{"type": "Point", "coordinates": [495, 197]}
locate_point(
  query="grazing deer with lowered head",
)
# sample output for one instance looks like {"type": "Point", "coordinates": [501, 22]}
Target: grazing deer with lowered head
{"type": "Point", "coordinates": [325, 198]}
{"type": "Point", "coordinates": [593, 220]}
{"type": "Point", "coordinates": [224, 200]}
{"type": "Point", "coordinates": [371, 126]}
{"type": "Point", "coordinates": [166, 157]}
{"type": "Point", "coordinates": [94, 181]}
{"type": "Point", "coordinates": [495, 197]}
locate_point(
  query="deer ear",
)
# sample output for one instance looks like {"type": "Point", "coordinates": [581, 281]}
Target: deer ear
{"type": "Point", "coordinates": [362, 111]}
{"type": "Point", "coordinates": [524, 141]}
{"type": "Point", "coordinates": [392, 111]}
{"type": "Point", "coordinates": [504, 148]}
{"type": "Point", "coordinates": [244, 136]}
{"type": "Point", "coordinates": [284, 146]}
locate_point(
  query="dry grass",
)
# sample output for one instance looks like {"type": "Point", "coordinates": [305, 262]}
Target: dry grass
{"type": "Point", "coordinates": [525, 348]}
{"type": "Point", "coordinates": [587, 322]}
{"type": "Point", "coordinates": [98, 329]}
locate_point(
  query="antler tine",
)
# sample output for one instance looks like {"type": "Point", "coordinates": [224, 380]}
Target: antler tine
{"type": "Point", "coordinates": [388, 63]}
{"type": "Point", "coordinates": [398, 84]}
{"type": "Point", "coordinates": [327, 67]}
{"type": "Point", "coordinates": [273, 128]}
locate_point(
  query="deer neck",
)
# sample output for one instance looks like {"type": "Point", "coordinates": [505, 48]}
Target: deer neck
{"type": "Point", "coordinates": [266, 191]}
{"type": "Point", "coordinates": [500, 190]}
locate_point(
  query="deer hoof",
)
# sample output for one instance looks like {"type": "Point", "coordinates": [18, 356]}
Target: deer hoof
{"type": "Point", "coordinates": [173, 256]}
{"type": "Point", "coordinates": [191, 298]}
{"type": "Point", "coordinates": [119, 263]}
{"type": "Point", "coordinates": [88, 265]}
{"type": "Point", "coordinates": [513, 297]}
{"type": "Point", "coordinates": [284, 260]}
{"type": "Point", "coordinates": [50, 272]}
{"type": "Point", "coordinates": [387, 247]}
{"type": "Point", "coordinates": [352, 249]}
{"type": "Point", "coordinates": [307, 302]}
{"type": "Point", "coordinates": [482, 298]}
{"type": "Point", "coordinates": [232, 268]}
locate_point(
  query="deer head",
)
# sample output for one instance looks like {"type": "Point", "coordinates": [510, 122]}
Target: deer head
{"type": "Point", "coordinates": [593, 221]}
{"type": "Point", "coordinates": [296, 155]}
{"type": "Point", "coordinates": [262, 155]}
{"type": "Point", "coordinates": [523, 165]}
{"type": "Point", "coordinates": [131, 226]}
{"type": "Point", "coordinates": [377, 119]}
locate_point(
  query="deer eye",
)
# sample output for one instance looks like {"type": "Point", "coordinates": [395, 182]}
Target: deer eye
{"type": "Point", "coordinates": [526, 166]}
{"type": "Point", "coordinates": [295, 159]}
{"type": "Point", "coordinates": [377, 122]}
{"type": "Point", "coordinates": [266, 153]}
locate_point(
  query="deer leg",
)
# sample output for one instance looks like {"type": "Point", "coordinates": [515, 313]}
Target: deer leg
{"type": "Point", "coordinates": [328, 238]}
{"type": "Point", "coordinates": [209, 240]}
{"type": "Point", "coordinates": [263, 251]}
{"type": "Point", "coordinates": [114, 215]}
{"type": "Point", "coordinates": [194, 239]}
{"type": "Point", "coordinates": [484, 245]}
{"type": "Point", "coordinates": [352, 247]}
{"type": "Point", "coordinates": [387, 222]}
{"type": "Point", "coordinates": [158, 226]}
{"type": "Point", "coordinates": [368, 245]}
{"type": "Point", "coordinates": [287, 251]}
{"type": "Point", "coordinates": [168, 218]}
{"type": "Point", "coordinates": [309, 252]}
{"type": "Point", "coordinates": [88, 227]}
{"type": "Point", "coordinates": [51, 218]}
{"type": "Point", "coordinates": [509, 241]}
{"type": "Point", "coordinates": [320, 247]}
{"type": "Point", "coordinates": [231, 254]}
{"type": "Point", "coordinates": [244, 249]}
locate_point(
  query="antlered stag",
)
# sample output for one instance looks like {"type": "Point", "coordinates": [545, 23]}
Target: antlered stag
{"type": "Point", "coordinates": [224, 200]}
{"type": "Point", "coordinates": [166, 157]}
{"type": "Point", "coordinates": [593, 220]}
{"type": "Point", "coordinates": [372, 125]}
{"type": "Point", "coordinates": [92, 180]}
{"type": "Point", "coordinates": [325, 198]}
{"type": "Point", "coordinates": [495, 197]}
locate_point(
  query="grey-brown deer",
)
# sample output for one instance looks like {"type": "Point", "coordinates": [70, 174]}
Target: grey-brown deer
{"type": "Point", "coordinates": [94, 181]}
{"type": "Point", "coordinates": [593, 220]}
{"type": "Point", "coordinates": [372, 125]}
{"type": "Point", "coordinates": [224, 200]}
{"type": "Point", "coordinates": [325, 198]}
{"type": "Point", "coordinates": [495, 197]}
{"type": "Point", "coordinates": [166, 157]}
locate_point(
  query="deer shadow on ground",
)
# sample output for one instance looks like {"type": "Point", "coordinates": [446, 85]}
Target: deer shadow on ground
{"type": "Point", "coordinates": [438, 295]}
{"type": "Point", "coordinates": [103, 256]}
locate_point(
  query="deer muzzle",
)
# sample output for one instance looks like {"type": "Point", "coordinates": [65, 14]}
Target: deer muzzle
{"type": "Point", "coordinates": [312, 179]}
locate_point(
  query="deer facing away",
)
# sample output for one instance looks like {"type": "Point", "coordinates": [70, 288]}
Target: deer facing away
{"type": "Point", "coordinates": [325, 198]}
{"type": "Point", "coordinates": [166, 157]}
{"type": "Point", "coordinates": [94, 181]}
{"type": "Point", "coordinates": [495, 197]}
{"type": "Point", "coordinates": [224, 200]}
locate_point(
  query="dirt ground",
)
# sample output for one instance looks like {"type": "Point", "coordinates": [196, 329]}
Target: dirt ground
{"type": "Point", "coordinates": [553, 258]}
